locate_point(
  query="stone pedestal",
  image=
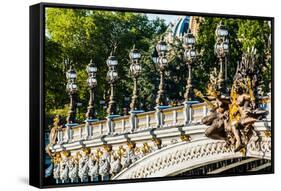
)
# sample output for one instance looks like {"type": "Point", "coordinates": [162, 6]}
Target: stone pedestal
{"type": "Point", "coordinates": [187, 113]}
{"type": "Point", "coordinates": [69, 131]}
{"type": "Point", "coordinates": [110, 127]}
{"type": "Point", "coordinates": [133, 122]}
{"type": "Point", "coordinates": [88, 128]}
{"type": "Point", "coordinates": [159, 118]}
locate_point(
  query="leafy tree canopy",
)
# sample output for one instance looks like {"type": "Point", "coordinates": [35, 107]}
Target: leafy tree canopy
{"type": "Point", "coordinates": [74, 36]}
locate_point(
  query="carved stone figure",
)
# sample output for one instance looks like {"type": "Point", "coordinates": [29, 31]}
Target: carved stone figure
{"type": "Point", "coordinates": [232, 118]}
{"type": "Point", "coordinates": [129, 157]}
{"type": "Point", "coordinates": [115, 165]}
{"type": "Point", "coordinates": [83, 168]}
{"type": "Point", "coordinates": [104, 168]}
{"type": "Point", "coordinates": [63, 172]}
{"type": "Point", "coordinates": [56, 172]}
{"type": "Point", "coordinates": [93, 167]}
{"type": "Point", "coordinates": [73, 169]}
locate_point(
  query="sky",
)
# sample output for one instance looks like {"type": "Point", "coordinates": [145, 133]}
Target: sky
{"type": "Point", "coordinates": [168, 18]}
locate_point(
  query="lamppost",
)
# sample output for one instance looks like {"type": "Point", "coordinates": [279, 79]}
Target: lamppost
{"type": "Point", "coordinates": [92, 83]}
{"type": "Point", "coordinates": [71, 88]}
{"type": "Point", "coordinates": [189, 58]}
{"type": "Point", "coordinates": [135, 70]}
{"type": "Point", "coordinates": [161, 63]}
{"type": "Point", "coordinates": [112, 77]}
{"type": "Point", "coordinates": [221, 50]}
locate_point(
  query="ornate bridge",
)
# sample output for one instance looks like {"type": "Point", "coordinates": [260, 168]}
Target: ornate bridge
{"type": "Point", "coordinates": [165, 142]}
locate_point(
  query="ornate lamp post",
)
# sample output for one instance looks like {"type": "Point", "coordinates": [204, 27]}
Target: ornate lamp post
{"type": "Point", "coordinates": [161, 63]}
{"type": "Point", "coordinates": [112, 77]}
{"type": "Point", "coordinates": [135, 70]}
{"type": "Point", "coordinates": [189, 58]}
{"type": "Point", "coordinates": [221, 50]}
{"type": "Point", "coordinates": [92, 83]}
{"type": "Point", "coordinates": [71, 88]}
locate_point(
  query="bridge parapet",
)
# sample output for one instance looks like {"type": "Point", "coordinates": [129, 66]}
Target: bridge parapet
{"type": "Point", "coordinates": [170, 117]}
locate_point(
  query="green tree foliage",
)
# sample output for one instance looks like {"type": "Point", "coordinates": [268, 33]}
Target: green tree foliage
{"type": "Point", "coordinates": [81, 35]}
{"type": "Point", "coordinates": [243, 34]}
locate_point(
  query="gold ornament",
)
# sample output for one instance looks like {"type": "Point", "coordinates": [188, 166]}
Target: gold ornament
{"type": "Point", "coordinates": [185, 137]}
{"type": "Point", "coordinates": [145, 148]}
{"type": "Point", "coordinates": [157, 141]}
{"type": "Point", "coordinates": [267, 133]}
{"type": "Point", "coordinates": [107, 147]}
{"type": "Point", "coordinates": [86, 150]}
{"type": "Point", "coordinates": [98, 153]}
{"type": "Point", "coordinates": [131, 144]}
{"type": "Point", "coordinates": [121, 151]}
{"type": "Point", "coordinates": [66, 153]}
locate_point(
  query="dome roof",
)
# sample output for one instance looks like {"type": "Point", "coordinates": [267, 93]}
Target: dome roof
{"type": "Point", "coordinates": [180, 26]}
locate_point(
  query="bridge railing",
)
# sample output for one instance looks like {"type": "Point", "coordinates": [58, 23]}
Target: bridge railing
{"type": "Point", "coordinates": [169, 117]}
{"type": "Point", "coordinates": [173, 116]}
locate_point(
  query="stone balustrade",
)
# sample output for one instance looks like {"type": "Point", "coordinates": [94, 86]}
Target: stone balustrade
{"type": "Point", "coordinates": [161, 118]}
{"type": "Point", "coordinates": [169, 117]}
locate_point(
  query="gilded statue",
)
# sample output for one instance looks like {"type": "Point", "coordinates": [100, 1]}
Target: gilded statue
{"type": "Point", "coordinates": [231, 118]}
{"type": "Point", "coordinates": [57, 125]}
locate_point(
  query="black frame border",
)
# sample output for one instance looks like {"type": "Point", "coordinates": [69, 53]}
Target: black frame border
{"type": "Point", "coordinates": [37, 91]}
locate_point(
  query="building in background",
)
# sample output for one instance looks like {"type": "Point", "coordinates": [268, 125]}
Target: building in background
{"type": "Point", "coordinates": [195, 24]}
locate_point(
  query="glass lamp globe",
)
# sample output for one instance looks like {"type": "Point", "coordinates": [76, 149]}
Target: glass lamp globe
{"type": "Point", "coordinates": [91, 68]}
{"type": "Point", "coordinates": [92, 82]}
{"type": "Point", "coordinates": [192, 53]}
{"type": "Point", "coordinates": [225, 47]}
{"type": "Point", "coordinates": [71, 87]}
{"type": "Point", "coordinates": [189, 39]}
{"type": "Point", "coordinates": [134, 54]}
{"type": "Point", "coordinates": [162, 47]}
{"type": "Point", "coordinates": [71, 74]}
{"type": "Point", "coordinates": [112, 75]}
{"type": "Point", "coordinates": [112, 61]}
{"type": "Point", "coordinates": [221, 30]}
